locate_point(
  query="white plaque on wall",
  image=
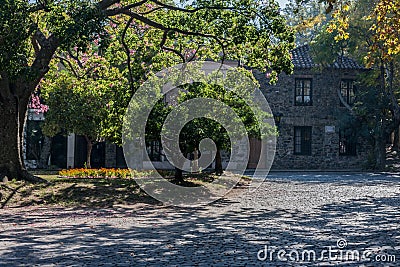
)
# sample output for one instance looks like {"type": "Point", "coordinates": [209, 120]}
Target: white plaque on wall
{"type": "Point", "coordinates": [329, 129]}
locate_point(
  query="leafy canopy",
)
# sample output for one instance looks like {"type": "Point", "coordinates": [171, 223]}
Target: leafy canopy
{"type": "Point", "coordinates": [83, 102]}
{"type": "Point", "coordinates": [251, 31]}
{"type": "Point", "coordinates": [130, 40]}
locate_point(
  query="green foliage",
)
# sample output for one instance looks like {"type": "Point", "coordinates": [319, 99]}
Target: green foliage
{"type": "Point", "coordinates": [156, 120]}
{"type": "Point", "coordinates": [75, 22]}
{"type": "Point", "coordinates": [324, 49]}
{"type": "Point", "coordinates": [201, 128]}
{"type": "Point", "coordinates": [158, 34]}
{"type": "Point", "coordinates": [254, 33]}
{"type": "Point", "coordinates": [15, 31]}
{"type": "Point", "coordinates": [368, 31]}
{"type": "Point", "coordinates": [307, 18]}
{"type": "Point", "coordinates": [237, 98]}
{"type": "Point", "coordinates": [136, 39]}
{"type": "Point", "coordinates": [243, 30]}
{"type": "Point", "coordinates": [161, 33]}
{"type": "Point", "coordinates": [85, 101]}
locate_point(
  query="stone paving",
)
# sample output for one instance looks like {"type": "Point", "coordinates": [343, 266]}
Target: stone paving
{"type": "Point", "coordinates": [341, 219]}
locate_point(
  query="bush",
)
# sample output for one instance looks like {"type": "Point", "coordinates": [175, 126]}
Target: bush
{"type": "Point", "coordinates": [103, 173]}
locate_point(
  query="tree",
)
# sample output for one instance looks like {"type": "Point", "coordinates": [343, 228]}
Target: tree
{"type": "Point", "coordinates": [81, 101]}
{"type": "Point", "coordinates": [208, 118]}
{"type": "Point", "coordinates": [307, 18]}
{"type": "Point", "coordinates": [369, 31]}
{"type": "Point", "coordinates": [201, 128]}
{"type": "Point", "coordinates": [33, 31]}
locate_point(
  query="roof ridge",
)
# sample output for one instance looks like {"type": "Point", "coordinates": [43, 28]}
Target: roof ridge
{"type": "Point", "coordinates": [301, 58]}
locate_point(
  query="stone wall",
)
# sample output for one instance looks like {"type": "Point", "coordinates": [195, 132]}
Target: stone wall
{"type": "Point", "coordinates": [322, 116]}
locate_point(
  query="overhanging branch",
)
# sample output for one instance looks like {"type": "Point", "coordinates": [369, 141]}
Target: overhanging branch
{"type": "Point", "coordinates": [76, 58]}
{"type": "Point", "coordinates": [40, 38]}
{"type": "Point", "coordinates": [140, 17]}
{"type": "Point", "coordinates": [179, 54]}
{"type": "Point", "coordinates": [128, 53]}
{"type": "Point", "coordinates": [41, 63]}
{"type": "Point", "coordinates": [190, 10]}
{"type": "Point", "coordinates": [345, 103]}
{"type": "Point", "coordinates": [116, 11]}
{"type": "Point", "coordinates": [104, 4]}
{"type": "Point", "coordinates": [63, 59]}
{"type": "Point", "coordinates": [161, 5]}
{"type": "Point", "coordinates": [164, 28]}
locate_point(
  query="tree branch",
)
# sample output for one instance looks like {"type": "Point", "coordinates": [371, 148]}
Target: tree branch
{"type": "Point", "coordinates": [177, 30]}
{"type": "Point", "coordinates": [40, 37]}
{"type": "Point", "coordinates": [116, 11]}
{"type": "Point", "coordinates": [75, 58]}
{"type": "Point", "coordinates": [190, 10]}
{"type": "Point", "coordinates": [164, 39]}
{"type": "Point", "coordinates": [41, 63]}
{"type": "Point", "coordinates": [345, 103]}
{"type": "Point", "coordinates": [104, 4]}
{"type": "Point", "coordinates": [128, 53]}
{"type": "Point", "coordinates": [151, 11]}
{"type": "Point", "coordinates": [162, 45]}
{"type": "Point", "coordinates": [175, 52]}
{"type": "Point", "coordinates": [35, 45]}
{"type": "Point", "coordinates": [195, 53]}
{"type": "Point", "coordinates": [42, 5]}
{"type": "Point", "coordinates": [162, 27]}
{"type": "Point", "coordinates": [70, 65]}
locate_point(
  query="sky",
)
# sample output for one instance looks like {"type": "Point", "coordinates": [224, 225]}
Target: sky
{"type": "Point", "coordinates": [282, 3]}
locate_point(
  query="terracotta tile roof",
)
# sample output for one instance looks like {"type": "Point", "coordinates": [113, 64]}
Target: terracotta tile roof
{"type": "Point", "coordinates": [302, 59]}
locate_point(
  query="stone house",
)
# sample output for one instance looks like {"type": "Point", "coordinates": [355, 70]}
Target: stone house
{"type": "Point", "coordinates": [307, 110]}
{"type": "Point", "coordinates": [306, 106]}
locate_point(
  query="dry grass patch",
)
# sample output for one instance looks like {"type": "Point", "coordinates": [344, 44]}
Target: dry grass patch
{"type": "Point", "coordinates": [81, 192]}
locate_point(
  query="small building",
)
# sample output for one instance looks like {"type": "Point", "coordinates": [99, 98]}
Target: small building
{"type": "Point", "coordinates": [307, 109]}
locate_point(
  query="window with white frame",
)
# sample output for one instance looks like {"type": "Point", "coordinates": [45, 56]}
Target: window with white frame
{"type": "Point", "coordinates": [303, 92]}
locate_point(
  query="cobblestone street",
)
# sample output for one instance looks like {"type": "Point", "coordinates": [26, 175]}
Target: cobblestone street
{"type": "Point", "coordinates": [333, 215]}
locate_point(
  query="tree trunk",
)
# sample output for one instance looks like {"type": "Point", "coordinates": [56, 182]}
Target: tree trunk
{"type": "Point", "coordinates": [12, 118]}
{"type": "Point", "coordinates": [45, 153]}
{"type": "Point", "coordinates": [179, 176]}
{"type": "Point", "coordinates": [14, 97]}
{"type": "Point", "coordinates": [218, 162]}
{"type": "Point", "coordinates": [89, 146]}
{"type": "Point", "coordinates": [380, 152]}
{"type": "Point", "coordinates": [396, 137]}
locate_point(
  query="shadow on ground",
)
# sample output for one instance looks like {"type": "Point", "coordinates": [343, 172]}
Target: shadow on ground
{"type": "Point", "coordinates": [218, 236]}
{"type": "Point", "coordinates": [74, 192]}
